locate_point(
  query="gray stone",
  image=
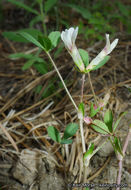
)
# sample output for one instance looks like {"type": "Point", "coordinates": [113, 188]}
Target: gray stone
{"type": "Point", "coordinates": [106, 150]}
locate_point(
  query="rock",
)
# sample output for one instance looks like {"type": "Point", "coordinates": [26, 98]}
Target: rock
{"type": "Point", "coordinates": [106, 150]}
{"type": "Point", "coordinates": [25, 170]}
{"type": "Point", "coordinates": [38, 171]}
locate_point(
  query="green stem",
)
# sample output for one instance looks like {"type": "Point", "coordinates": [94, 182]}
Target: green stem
{"type": "Point", "coordinates": [43, 17]}
{"type": "Point", "coordinates": [62, 80]}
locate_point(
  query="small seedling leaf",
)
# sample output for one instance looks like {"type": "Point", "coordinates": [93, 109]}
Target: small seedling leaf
{"type": "Point", "coordinates": [66, 141]}
{"type": "Point", "coordinates": [90, 151]}
{"type": "Point", "coordinates": [70, 130]}
{"type": "Point", "coordinates": [82, 108]}
{"type": "Point", "coordinates": [54, 134]}
{"type": "Point", "coordinates": [108, 119]}
{"type": "Point", "coordinates": [117, 146]}
{"type": "Point", "coordinates": [118, 120]}
{"type": "Point", "coordinates": [93, 111]}
{"type": "Point", "coordinates": [100, 127]}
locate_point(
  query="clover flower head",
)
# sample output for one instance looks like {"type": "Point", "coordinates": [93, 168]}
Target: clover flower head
{"type": "Point", "coordinates": [106, 51]}
{"type": "Point", "coordinates": [88, 120]}
{"type": "Point", "coordinates": [69, 37]}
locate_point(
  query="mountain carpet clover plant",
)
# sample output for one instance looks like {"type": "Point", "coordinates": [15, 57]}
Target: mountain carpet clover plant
{"type": "Point", "coordinates": [107, 127]}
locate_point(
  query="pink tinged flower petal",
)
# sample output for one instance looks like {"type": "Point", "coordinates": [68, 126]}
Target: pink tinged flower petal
{"type": "Point", "coordinates": [107, 50]}
{"type": "Point", "coordinates": [95, 107]}
{"type": "Point", "coordinates": [88, 120]}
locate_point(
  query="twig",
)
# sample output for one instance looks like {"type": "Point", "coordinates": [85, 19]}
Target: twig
{"type": "Point", "coordinates": [121, 160]}
{"type": "Point", "coordinates": [100, 170]}
{"type": "Point", "coordinates": [82, 87]}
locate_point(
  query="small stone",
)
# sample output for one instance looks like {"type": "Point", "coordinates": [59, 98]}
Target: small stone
{"type": "Point", "coordinates": [106, 150]}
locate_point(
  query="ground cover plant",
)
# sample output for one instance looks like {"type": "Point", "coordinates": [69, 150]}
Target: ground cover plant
{"type": "Point", "coordinates": [68, 144]}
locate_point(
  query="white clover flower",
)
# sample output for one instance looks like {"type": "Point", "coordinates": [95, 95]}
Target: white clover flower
{"type": "Point", "coordinates": [106, 51]}
{"type": "Point", "coordinates": [69, 37]}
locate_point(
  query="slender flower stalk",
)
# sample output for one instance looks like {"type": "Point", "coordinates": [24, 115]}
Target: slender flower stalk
{"type": "Point", "coordinates": [62, 80]}
{"type": "Point", "coordinates": [92, 89]}
{"type": "Point", "coordinates": [82, 87]}
{"type": "Point", "coordinates": [106, 51]}
{"type": "Point", "coordinates": [69, 37]}
{"type": "Point", "coordinates": [80, 115]}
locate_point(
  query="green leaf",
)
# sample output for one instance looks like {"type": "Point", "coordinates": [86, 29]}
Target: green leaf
{"type": "Point", "coordinates": [45, 42]}
{"type": "Point", "coordinates": [70, 130]}
{"type": "Point", "coordinates": [100, 127]}
{"type": "Point", "coordinates": [54, 38]}
{"type": "Point", "coordinates": [123, 9]}
{"type": "Point", "coordinates": [66, 141]}
{"type": "Point", "coordinates": [38, 89]}
{"type": "Point", "coordinates": [49, 4]}
{"type": "Point", "coordinates": [85, 57]}
{"type": "Point", "coordinates": [14, 36]}
{"type": "Point", "coordinates": [54, 134]}
{"type": "Point", "coordinates": [117, 144]}
{"type": "Point", "coordinates": [41, 67]}
{"type": "Point", "coordinates": [31, 39]}
{"type": "Point", "coordinates": [23, 5]}
{"type": "Point", "coordinates": [108, 119]}
{"type": "Point", "coordinates": [58, 51]}
{"type": "Point", "coordinates": [101, 63]}
{"type": "Point", "coordinates": [31, 61]}
{"type": "Point", "coordinates": [93, 111]}
{"type": "Point", "coordinates": [83, 11]}
{"type": "Point", "coordinates": [118, 120]}
{"type": "Point", "coordinates": [28, 64]}
{"type": "Point", "coordinates": [82, 108]}
{"type": "Point", "coordinates": [90, 151]}
{"type": "Point", "coordinates": [34, 21]}
{"type": "Point", "coordinates": [20, 55]}
{"type": "Point", "coordinates": [49, 90]}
